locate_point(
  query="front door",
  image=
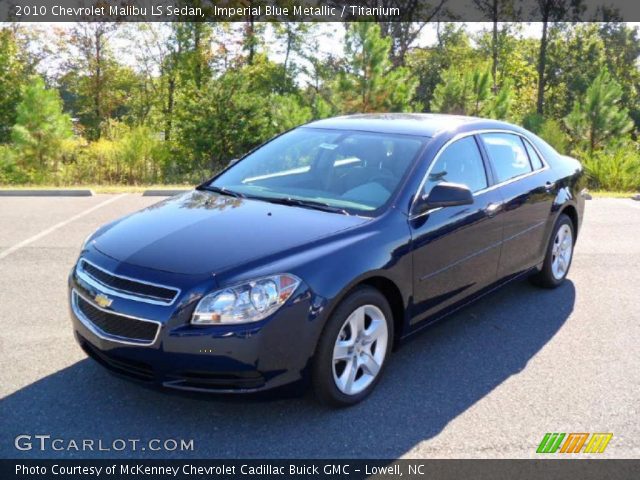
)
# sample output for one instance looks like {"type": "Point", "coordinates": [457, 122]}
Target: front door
{"type": "Point", "coordinates": [456, 249]}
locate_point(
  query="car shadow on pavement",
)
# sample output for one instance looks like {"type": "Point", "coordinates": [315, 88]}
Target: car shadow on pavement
{"type": "Point", "coordinates": [429, 381]}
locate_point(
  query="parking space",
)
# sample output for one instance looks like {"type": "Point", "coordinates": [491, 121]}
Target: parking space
{"type": "Point", "coordinates": [488, 382]}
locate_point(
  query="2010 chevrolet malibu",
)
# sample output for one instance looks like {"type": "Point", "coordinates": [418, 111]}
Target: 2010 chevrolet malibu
{"type": "Point", "coordinates": [314, 254]}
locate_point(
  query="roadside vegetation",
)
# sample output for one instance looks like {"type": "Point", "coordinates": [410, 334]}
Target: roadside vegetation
{"type": "Point", "coordinates": [74, 112]}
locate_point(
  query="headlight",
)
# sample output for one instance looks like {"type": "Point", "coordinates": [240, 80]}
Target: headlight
{"type": "Point", "coordinates": [248, 302]}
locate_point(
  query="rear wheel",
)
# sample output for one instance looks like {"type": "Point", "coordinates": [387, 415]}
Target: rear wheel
{"type": "Point", "coordinates": [559, 255]}
{"type": "Point", "coordinates": [353, 348]}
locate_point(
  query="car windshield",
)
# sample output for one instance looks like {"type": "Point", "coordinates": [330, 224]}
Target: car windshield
{"type": "Point", "coordinates": [339, 170]}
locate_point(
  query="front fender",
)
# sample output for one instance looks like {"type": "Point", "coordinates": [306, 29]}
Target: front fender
{"type": "Point", "coordinates": [331, 267]}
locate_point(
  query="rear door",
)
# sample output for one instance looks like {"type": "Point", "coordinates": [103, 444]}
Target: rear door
{"type": "Point", "coordinates": [456, 249]}
{"type": "Point", "coordinates": [522, 179]}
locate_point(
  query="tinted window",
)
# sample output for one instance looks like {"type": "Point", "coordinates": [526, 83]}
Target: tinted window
{"type": "Point", "coordinates": [461, 163]}
{"type": "Point", "coordinates": [536, 161]}
{"type": "Point", "coordinates": [508, 155]}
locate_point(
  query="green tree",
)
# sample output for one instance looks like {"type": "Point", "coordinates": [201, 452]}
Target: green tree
{"type": "Point", "coordinates": [41, 126]}
{"type": "Point", "coordinates": [453, 47]}
{"type": "Point", "coordinates": [235, 112]}
{"type": "Point", "coordinates": [404, 34]}
{"type": "Point", "coordinates": [598, 117]}
{"type": "Point", "coordinates": [369, 83]}
{"type": "Point", "coordinates": [502, 102]}
{"type": "Point", "coordinates": [622, 50]}
{"type": "Point", "coordinates": [576, 55]}
{"type": "Point", "coordinates": [90, 75]}
{"type": "Point", "coordinates": [494, 10]}
{"type": "Point", "coordinates": [293, 35]}
{"type": "Point", "coordinates": [551, 11]}
{"type": "Point", "coordinates": [13, 74]}
{"type": "Point", "coordinates": [464, 92]}
{"type": "Point", "coordinates": [452, 94]}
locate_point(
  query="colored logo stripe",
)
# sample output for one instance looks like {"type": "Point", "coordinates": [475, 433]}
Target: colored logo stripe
{"type": "Point", "coordinates": [550, 443]}
{"type": "Point", "coordinates": [598, 442]}
{"type": "Point", "coordinates": [574, 442]}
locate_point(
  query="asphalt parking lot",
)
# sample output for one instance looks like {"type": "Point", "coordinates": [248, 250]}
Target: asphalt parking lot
{"type": "Point", "coordinates": [488, 382]}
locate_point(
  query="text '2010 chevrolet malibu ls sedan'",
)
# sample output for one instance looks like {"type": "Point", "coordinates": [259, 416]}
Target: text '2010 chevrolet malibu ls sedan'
{"type": "Point", "coordinates": [313, 255]}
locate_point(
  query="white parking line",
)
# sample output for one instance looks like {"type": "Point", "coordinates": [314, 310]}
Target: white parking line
{"type": "Point", "coordinates": [43, 233]}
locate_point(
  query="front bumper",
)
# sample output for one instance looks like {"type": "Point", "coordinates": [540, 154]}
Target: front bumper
{"type": "Point", "coordinates": [226, 359]}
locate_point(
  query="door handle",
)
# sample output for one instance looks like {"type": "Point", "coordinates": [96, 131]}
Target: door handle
{"type": "Point", "coordinates": [492, 209]}
{"type": "Point", "coordinates": [549, 186]}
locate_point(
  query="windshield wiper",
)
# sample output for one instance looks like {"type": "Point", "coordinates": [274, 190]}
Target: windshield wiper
{"type": "Point", "coordinates": [222, 191]}
{"type": "Point", "coordinates": [297, 202]}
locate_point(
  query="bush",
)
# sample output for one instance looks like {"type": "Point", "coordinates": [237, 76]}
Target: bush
{"type": "Point", "coordinates": [552, 132]}
{"type": "Point", "coordinates": [124, 156]}
{"type": "Point", "coordinates": [617, 169]}
{"type": "Point", "coordinates": [533, 122]}
{"type": "Point", "coordinates": [10, 172]}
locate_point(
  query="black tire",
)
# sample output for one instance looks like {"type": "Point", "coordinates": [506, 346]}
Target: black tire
{"type": "Point", "coordinates": [324, 385]}
{"type": "Point", "coordinates": [545, 277]}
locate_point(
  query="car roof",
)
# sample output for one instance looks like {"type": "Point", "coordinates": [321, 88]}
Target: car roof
{"type": "Point", "coordinates": [423, 124]}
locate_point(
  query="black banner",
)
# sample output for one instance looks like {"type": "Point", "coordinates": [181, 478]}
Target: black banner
{"type": "Point", "coordinates": [581, 469]}
{"type": "Point", "coordinates": [316, 10]}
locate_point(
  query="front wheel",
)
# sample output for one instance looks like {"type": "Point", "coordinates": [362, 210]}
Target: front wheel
{"type": "Point", "coordinates": [353, 348]}
{"type": "Point", "coordinates": [559, 255]}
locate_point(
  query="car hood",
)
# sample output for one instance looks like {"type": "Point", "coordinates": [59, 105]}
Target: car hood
{"type": "Point", "coordinates": [203, 232]}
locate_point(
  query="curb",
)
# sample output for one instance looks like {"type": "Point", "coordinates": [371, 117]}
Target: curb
{"type": "Point", "coordinates": [163, 193]}
{"type": "Point", "coordinates": [45, 193]}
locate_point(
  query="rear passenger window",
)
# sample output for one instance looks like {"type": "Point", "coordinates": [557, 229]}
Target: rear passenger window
{"type": "Point", "coordinates": [536, 161]}
{"type": "Point", "coordinates": [507, 153]}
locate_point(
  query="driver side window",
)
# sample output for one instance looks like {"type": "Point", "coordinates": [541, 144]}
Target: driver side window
{"type": "Point", "coordinates": [460, 162]}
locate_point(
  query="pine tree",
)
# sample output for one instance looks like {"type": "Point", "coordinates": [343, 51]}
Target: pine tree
{"type": "Point", "coordinates": [370, 83]}
{"type": "Point", "coordinates": [501, 102]}
{"type": "Point", "coordinates": [451, 95]}
{"type": "Point", "coordinates": [13, 72]}
{"type": "Point", "coordinates": [468, 93]}
{"type": "Point", "coordinates": [41, 126]}
{"type": "Point", "coordinates": [599, 117]}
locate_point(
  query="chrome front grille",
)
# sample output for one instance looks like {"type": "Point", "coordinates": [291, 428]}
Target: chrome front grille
{"type": "Point", "coordinates": [125, 287]}
{"type": "Point", "coordinates": [114, 326]}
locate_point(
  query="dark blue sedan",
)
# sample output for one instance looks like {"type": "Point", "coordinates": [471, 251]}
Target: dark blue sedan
{"type": "Point", "coordinates": [313, 255]}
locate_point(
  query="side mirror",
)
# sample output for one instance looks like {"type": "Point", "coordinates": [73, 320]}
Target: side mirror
{"type": "Point", "coordinates": [444, 195]}
{"type": "Point", "coordinates": [232, 161]}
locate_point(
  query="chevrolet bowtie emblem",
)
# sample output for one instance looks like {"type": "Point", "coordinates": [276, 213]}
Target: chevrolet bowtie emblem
{"type": "Point", "coordinates": [102, 300]}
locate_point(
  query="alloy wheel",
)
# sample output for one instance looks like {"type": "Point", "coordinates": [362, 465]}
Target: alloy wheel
{"type": "Point", "coordinates": [561, 252]}
{"type": "Point", "coordinates": [360, 349]}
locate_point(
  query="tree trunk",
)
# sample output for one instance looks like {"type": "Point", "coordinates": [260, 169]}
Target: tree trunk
{"type": "Point", "coordinates": [542, 61]}
{"type": "Point", "coordinates": [251, 39]}
{"type": "Point", "coordinates": [196, 49]}
{"type": "Point", "coordinates": [171, 88]}
{"type": "Point", "coordinates": [285, 65]}
{"type": "Point", "coordinates": [98, 86]}
{"type": "Point", "coordinates": [494, 47]}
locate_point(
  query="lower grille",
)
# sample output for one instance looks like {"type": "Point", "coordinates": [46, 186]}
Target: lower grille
{"type": "Point", "coordinates": [113, 326]}
{"type": "Point", "coordinates": [130, 368]}
{"type": "Point", "coordinates": [192, 380]}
